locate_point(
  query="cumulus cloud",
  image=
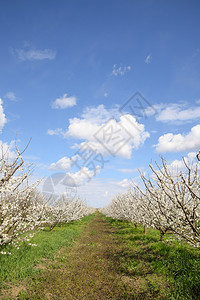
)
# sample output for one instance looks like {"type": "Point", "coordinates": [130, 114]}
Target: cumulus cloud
{"type": "Point", "coordinates": [112, 137]}
{"type": "Point", "coordinates": [34, 54]}
{"type": "Point", "coordinates": [64, 102]}
{"type": "Point", "coordinates": [83, 175]}
{"type": "Point", "coordinates": [2, 116]}
{"type": "Point", "coordinates": [81, 128]}
{"type": "Point", "coordinates": [106, 135]}
{"type": "Point", "coordinates": [148, 59]}
{"type": "Point", "coordinates": [178, 142]}
{"type": "Point", "coordinates": [62, 164]}
{"type": "Point", "coordinates": [120, 70]}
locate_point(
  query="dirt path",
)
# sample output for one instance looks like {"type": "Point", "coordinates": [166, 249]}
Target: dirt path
{"type": "Point", "coordinates": [85, 271]}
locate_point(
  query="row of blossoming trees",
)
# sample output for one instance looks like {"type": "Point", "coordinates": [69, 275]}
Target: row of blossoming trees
{"type": "Point", "coordinates": [23, 209]}
{"type": "Point", "coordinates": [168, 201]}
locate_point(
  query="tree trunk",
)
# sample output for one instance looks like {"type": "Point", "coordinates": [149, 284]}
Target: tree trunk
{"type": "Point", "coordinates": [161, 236]}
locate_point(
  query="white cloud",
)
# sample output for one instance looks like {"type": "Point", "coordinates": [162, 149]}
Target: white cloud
{"type": "Point", "coordinates": [68, 183]}
{"type": "Point", "coordinates": [112, 137]}
{"type": "Point", "coordinates": [64, 102]}
{"type": "Point", "coordinates": [97, 115]}
{"type": "Point", "coordinates": [34, 54]}
{"type": "Point", "coordinates": [78, 178]}
{"type": "Point", "coordinates": [81, 129]}
{"type": "Point", "coordinates": [104, 134]}
{"type": "Point", "coordinates": [148, 59]}
{"type": "Point", "coordinates": [125, 183]}
{"type": "Point", "coordinates": [178, 142]}
{"type": "Point", "coordinates": [83, 175]}
{"type": "Point", "coordinates": [62, 164]}
{"type": "Point", "coordinates": [175, 112]}
{"type": "Point", "coordinates": [98, 147]}
{"type": "Point", "coordinates": [120, 70]}
{"type": "Point", "coordinates": [57, 131]}
{"type": "Point", "coordinates": [100, 114]}
{"type": "Point", "coordinates": [2, 116]}
{"type": "Point", "coordinates": [10, 96]}
{"type": "Point", "coordinates": [37, 54]}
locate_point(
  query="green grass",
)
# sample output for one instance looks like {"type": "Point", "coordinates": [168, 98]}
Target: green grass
{"type": "Point", "coordinates": [148, 268]}
{"type": "Point", "coordinates": [16, 267]}
{"type": "Point", "coordinates": [173, 266]}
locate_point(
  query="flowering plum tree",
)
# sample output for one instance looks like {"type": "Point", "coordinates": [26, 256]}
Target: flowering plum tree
{"type": "Point", "coordinates": [168, 202]}
{"type": "Point", "coordinates": [22, 208]}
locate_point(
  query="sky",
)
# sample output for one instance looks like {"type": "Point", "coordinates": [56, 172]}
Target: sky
{"type": "Point", "coordinates": [102, 88]}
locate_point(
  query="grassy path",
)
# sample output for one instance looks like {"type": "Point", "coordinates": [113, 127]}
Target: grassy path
{"type": "Point", "coordinates": [83, 272]}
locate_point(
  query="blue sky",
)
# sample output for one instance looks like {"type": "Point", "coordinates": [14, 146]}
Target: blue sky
{"type": "Point", "coordinates": [66, 69]}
